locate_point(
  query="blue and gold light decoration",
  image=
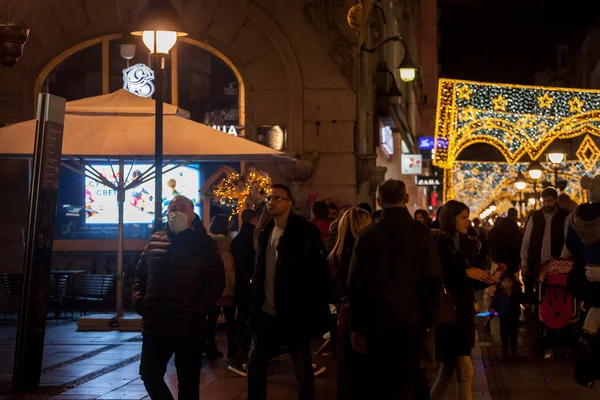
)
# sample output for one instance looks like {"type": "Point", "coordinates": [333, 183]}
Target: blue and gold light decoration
{"type": "Point", "coordinates": [515, 119]}
{"type": "Point", "coordinates": [478, 184]}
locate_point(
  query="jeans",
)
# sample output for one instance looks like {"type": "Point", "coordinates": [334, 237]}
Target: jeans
{"type": "Point", "coordinates": [211, 327]}
{"type": "Point", "coordinates": [509, 327]}
{"type": "Point", "coordinates": [264, 343]}
{"type": "Point", "coordinates": [465, 373]}
{"type": "Point", "coordinates": [156, 353]}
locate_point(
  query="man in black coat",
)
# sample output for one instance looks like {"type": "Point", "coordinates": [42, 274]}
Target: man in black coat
{"type": "Point", "coordinates": [291, 295]}
{"type": "Point", "coordinates": [505, 242]}
{"type": "Point", "coordinates": [244, 255]}
{"type": "Point", "coordinates": [179, 278]}
{"type": "Point", "coordinates": [393, 285]}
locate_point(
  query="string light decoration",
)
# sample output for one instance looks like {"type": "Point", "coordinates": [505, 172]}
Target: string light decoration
{"type": "Point", "coordinates": [234, 190]}
{"type": "Point", "coordinates": [588, 153]}
{"type": "Point", "coordinates": [479, 184]}
{"type": "Point", "coordinates": [515, 119]}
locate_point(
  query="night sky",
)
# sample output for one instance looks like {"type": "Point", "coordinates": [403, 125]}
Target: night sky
{"type": "Point", "coordinates": [509, 40]}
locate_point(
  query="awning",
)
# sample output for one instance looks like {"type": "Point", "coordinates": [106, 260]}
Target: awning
{"type": "Point", "coordinates": [123, 125]}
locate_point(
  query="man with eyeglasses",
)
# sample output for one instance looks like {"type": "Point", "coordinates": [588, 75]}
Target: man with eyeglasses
{"type": "Point", "coordinates": [291, 294]}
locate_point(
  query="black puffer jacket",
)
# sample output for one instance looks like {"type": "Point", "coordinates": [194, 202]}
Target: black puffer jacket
{"type": "Point", "coordinates": [302, 281]}
{"type": "Point", "coordinates": [178, 278]}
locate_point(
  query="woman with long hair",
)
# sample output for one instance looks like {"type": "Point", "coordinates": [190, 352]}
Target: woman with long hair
{"type": "Point", "coordinates": [219, 231]}
{"type": "Point", "coordinates": [350, 363]}
{"type": "Point", "coordinates": [462, 277]}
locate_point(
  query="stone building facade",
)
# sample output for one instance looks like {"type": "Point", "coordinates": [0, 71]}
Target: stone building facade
{"type": "Point", "coordinates": [298, 66]}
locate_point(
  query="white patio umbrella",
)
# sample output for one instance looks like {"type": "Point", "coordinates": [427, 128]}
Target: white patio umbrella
{"type": "Point", "coordinates": [121, 125]}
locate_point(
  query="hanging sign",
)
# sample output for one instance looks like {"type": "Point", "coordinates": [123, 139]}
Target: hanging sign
{"type": "Point", "coordinates": [426, 143]}
{"type": "Point", "coordinates": [428, 181]}
{"type": "Point", "coordinates": [412, 164]}
{"type": "Point", "coordinates": [137, 79]}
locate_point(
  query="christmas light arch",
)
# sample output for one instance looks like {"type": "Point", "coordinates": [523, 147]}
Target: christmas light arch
{"type": "Point", "coordinates": [515, 119]}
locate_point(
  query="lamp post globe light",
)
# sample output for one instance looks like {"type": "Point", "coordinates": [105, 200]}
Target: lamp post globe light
{"type": "Point", "coordinates": [159, 25]}
{"type": "Point", "coordinates": [556, 158]}
{"type": "Point", "coordinates": [520, 185]}
{"type": "Point", "coordinates": [407, 68]}
{"type": "Point", "coordinates": [535, 170]}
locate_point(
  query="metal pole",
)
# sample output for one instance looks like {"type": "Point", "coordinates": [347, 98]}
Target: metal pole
{"type": "Point", "coordinates": [158, 155]}
{"type": "Point", "coordinates": [521, 204]}
{"type": "Point", "coordinates": [121, 205]}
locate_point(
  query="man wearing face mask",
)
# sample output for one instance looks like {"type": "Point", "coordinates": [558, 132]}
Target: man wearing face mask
{"type": "Point", "coordinates": [178, 279]}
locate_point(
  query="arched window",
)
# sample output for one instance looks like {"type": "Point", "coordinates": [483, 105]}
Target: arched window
{"type": "Point", "coordinates": [198, 78]}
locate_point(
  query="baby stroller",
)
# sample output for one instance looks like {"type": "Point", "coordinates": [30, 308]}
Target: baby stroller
{"type": "Point", "coordinates": [558, 310]}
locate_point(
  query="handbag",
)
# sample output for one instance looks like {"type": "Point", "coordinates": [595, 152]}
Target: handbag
{"type": "Point", "coordinates": [446, 313]}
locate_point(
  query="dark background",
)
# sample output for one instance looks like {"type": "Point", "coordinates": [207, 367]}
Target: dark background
{"type": "Point", "coordinates": [509, 41]}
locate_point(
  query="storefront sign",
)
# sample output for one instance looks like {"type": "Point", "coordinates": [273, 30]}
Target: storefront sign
{"type": "Point", "coordinates": [428, 181]}
{"type": "Point", "coordinates": [138, 79]}
{"type": "Point", "coordinates": [412, 164]}
{"type": "Point", "coordinates": [230, 129]}
{"type": "Point", "coordinates": [426, 143]}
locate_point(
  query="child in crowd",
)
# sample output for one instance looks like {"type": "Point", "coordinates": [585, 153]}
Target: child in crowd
{"type": "Point", "coordinates": [507, 303]}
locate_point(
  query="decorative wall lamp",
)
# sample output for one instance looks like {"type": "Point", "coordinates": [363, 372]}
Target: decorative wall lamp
{"type": "Point", "coordinates": [12, 40]}
{"type": "Point", "coordinates": [408, 69]}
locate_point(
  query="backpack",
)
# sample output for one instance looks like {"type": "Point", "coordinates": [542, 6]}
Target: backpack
{"type": "Point", "coordinates": [556, 309]}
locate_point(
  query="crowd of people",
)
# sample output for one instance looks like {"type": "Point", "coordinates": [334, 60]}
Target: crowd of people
{"type": "Point", "coordinates": [388, 287]}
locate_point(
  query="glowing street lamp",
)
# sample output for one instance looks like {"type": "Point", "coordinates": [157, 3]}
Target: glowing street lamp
{"type": "Point", "coordinates": [556, 158]}
{"type": "Point", "coordinates": [407, 68]}
{"type": "Point", "coordinates": [535, 170]}
{"type": "Point", "coordinates": [520, 182]}
{"type": "Point", "coordinates": [159, 25]}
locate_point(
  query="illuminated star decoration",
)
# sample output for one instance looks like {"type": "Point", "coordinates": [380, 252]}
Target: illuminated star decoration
{"type": "Point", "coordinates": [499, 103]}
{"type": "Point", "coordinates": [545, 101]}
{"type": "Point", "coordinates": [525, 123]}
{"type": "Point", "coordinates": [575, 105]}
{"type": "Point", "coordinates": [464, 92]}
{"type": "Point", "coordinates": [513, 115]}
{"type": "Point", "coordinates": [542, 127]}
{"type": "Point", "coordinates": [468, 114]}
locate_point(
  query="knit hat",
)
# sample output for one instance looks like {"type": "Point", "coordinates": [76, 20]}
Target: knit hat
{"type": "Point", "coordinates": [593, 185]}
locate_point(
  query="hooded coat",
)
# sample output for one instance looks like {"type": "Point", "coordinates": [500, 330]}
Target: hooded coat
{"type": "Point", "coordinates": [583, 241]}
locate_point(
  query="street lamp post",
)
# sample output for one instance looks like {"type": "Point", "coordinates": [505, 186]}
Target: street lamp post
{"type": "Point", "coordinates": [535, 172]}
{"type": "Point", "coordinates": [408, 69]}
{"type": "Point", "coordinates": [159, 26]}
{"type": "Point", "coordinates": [520, 185]}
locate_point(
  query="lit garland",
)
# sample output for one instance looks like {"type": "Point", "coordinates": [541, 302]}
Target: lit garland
{"type": "Point", "coordinates": [478, 184]}
{"type": "Point", "coordinates": [517, 120]}
{"type": "Point", "coordinates": [233, 190]}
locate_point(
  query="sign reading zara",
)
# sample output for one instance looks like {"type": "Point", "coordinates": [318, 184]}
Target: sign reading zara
{"type": "Point", "coordinates": [428, 180]}
{"type": "Point", "coordinates": [412, 164]}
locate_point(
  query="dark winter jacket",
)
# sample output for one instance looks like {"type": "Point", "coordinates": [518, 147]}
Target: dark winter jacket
{"type": "Point", "coordinates": [302, 281]}
{"type": "Point", "coordinates": [177, 280]}
{"type": "Point", "coordinates": [461, 337]}
{"type": "Point", "coordinates": [394, 278]}
{"type": "Point", "coordinates": [505, 305]}
{"type": "Point", "coordinates": [505, 243]}
{"type": "Point", "coordinates": [583, 241]}
{"type": "Point", "coordinates": [244, 258]}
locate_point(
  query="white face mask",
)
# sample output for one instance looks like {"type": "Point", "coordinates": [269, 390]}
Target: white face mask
{"type": "Point", "coordinates": [178, 221]}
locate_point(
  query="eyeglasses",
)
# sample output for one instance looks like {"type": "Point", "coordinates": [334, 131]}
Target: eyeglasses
{"type": "Point", "coordinates": [276, 199]}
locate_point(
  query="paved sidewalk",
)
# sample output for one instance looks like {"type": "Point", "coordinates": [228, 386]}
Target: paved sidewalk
{"type": "Point", "coordinates": [104, 365]}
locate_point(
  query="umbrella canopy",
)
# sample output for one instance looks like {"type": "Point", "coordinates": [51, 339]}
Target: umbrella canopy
{"type": "Point", "coordinates": [122, 124]}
